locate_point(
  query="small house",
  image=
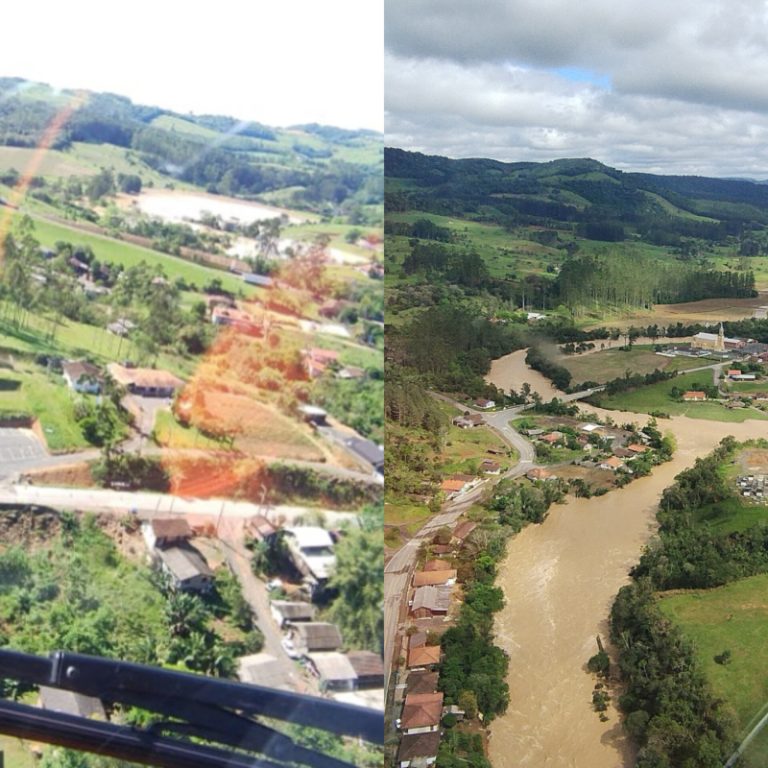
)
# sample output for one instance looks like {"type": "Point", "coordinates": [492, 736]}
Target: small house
{"type": "Point", "coordinates": [490, 467]}
{"type": "Point", "coordinates": [613, 464]}
{"type": "Point", "coordinates": [145, 382]}
{"type": "Point", "coordinates": [314, 636]}
{"type": "Point", "coordinates": [430, 601]}
{"type": "Point", "coordinates": [426, 656]}
{"type": "Point", "coordinates": [694, 395]}
{"type": "Point", "coordinates": [421, 712]}
{"type": "Point", "coordinates": [552, 438]}
{"type": "Point", "coordinates": [422, 682]}
{"type": "Point", "coordinates": [418, 750]}
{"type": "Point", "coordinates": [461, 531]}
{"type": "Point", "coordinates": [482, 402]}
{"type": "Point", "coordinates": [289, 612]}
{"type": "Point", "coordinates": [186, 569]}
{"type": "Point", "coordinates": [311, 550]}
{"type": "Point", "coordinates": [368, 667]}
{"type": "Point", "coordinates": [162, 533]}
{"type": "Point", "coordinates": [82, 376]}
{"type": "Point", "coordinates": [334, 671]}
{"type": "Point", "coordinates": [261, 669]}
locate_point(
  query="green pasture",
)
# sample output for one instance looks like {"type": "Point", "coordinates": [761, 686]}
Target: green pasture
{"type": "Point", "coordinates": [735, 618]}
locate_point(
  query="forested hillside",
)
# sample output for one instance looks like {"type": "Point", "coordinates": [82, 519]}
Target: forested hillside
{"type": "Point", "coordinates": [314, 167]}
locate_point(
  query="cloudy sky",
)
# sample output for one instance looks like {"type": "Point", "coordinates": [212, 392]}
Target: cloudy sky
{"type": "Point", "coordinates": [281, 63]}
{"type": "Point", "coordinates": [659, 86]}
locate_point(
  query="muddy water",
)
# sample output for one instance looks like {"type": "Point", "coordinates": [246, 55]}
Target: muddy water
{"type": "Point", "coordinates": [511, 372]}
{"type": "Point", "coordinates": [559, 580]}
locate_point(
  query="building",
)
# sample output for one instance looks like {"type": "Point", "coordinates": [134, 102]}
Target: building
{"type": "Point", "coordinates": [460, 532]}
{"type": "Point", "coordinates": [481, 402]}
{"type": "Point", "coordinates": [368, 667]}
{"type": "Point", "coordinates": [146, 382]}
{"type": "Point", "coordinates": [289, 612]}
{"type": "Point", "coordinates": [334, 671]}
{"type": "Point", "coordinates": [311, 550]}
{"type": "Point", "coordinates": [237, 319]}
{"type": "Point", "coordinates": [539, 473]}
{"type": "Point", "coordinates": [315, 636]}
{"type": "Point", "coordinates": [552, 438]}
{"type": "Point", "coordinates": [430, 601]}
{"type": "Point", "coordinates": [490, 467]}
{"type": "Point", "coordinates": [422, 682]}
{"type": "Point", "coordinates": [259, 528]}
{"type": "Point", "coordinates": [350, 372]}
{"type": "Point", "coordinates": [613, 464]}
{"type": "Point", "coordinates": [717, 342]}
{"type": "Point", "coordinates": [637, 448]}
{"type": "Point", "coordinates": [252, 278]}
{"type": "Point", "coordinates": [317, 361]}
{"type": "Point", "coordinates": [82, 376]}
{"type": "Point", "coordinates": [467, 421]}
{"type": "Point", "coordinates": [421, 713]}
{"type": "Point", "coordinates": [452, 488]}
{"type": "Point", "coordinates": [162, 533]}
{"type": "Point", "coordinates": [186, 569]}
{"type": "Point", "coordinates": [367, 451]}
{"type": "Point", "coordinates": [121, 327]}
{"type": "Point", "coordinates": [694, 395]}
{"type": "Point", "coordinates": [418, 750]}
{"type": "Point", "coordinates": [434, 578]}
{"type": "Point", "coordinates": [426, 656]}
{"type": "Point", "coordinates": [261, 669]}
{"type": "Point", "coordinates": [437, 565]}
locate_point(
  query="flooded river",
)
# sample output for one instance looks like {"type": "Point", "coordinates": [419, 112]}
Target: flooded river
{"type": "Point", "coordinates": [559, 579]}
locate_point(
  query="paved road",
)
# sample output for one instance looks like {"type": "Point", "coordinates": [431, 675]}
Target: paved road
{"type": "Point", "coordinates": [147, 504]}
{"type": "Point", "coordinates": [19, 446]}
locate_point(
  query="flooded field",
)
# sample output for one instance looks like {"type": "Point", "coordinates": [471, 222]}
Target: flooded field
{"type": "Point", "coordinates": [183, 206]}
{"type": "Point", "coordinates": [559, 580]}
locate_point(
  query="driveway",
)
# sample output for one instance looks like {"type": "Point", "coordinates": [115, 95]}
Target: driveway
{"type": "Point", "coordinates": [18, 447]}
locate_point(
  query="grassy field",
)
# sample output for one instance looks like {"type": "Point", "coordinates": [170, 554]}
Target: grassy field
{"type": "Point", "coordinates": [614, 363]}
{"type": "Point", "coordinates": [47, 397]}
{"type": "Point", "coordinates": [656, 397]}
{"type": "Point", "coordinates": [119, 252]}
{"type": "Point", "coordinates": [732, 515]}
{"type": "Point", "coordinates": [410, 516]}
{"type": "Point", "coordinates": [464, 449]}
{"type": "Point", "coordinates": [735, 618]}
{"type": "Point", "coordinates": [76, 340]}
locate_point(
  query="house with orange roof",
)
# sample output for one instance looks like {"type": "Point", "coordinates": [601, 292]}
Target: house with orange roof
{"type": "Point", "coordinates": [637, 448]}
{"type": "Point", "coordinates": [613, 463]}
{"type": "Point", "coordinates": [426, 656]}
{"type": "Point", "coordinates": [421, 712]}
{"type": "Point", "coordinates": [433, 578]}
{"type": "Point", "coordinates": [694, 395]}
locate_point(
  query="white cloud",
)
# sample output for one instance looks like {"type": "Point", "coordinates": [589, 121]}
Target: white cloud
{"type": "Point", "coordinates": [677, 87]}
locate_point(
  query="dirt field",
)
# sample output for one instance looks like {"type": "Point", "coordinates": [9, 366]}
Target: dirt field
{"type": "Point", "coordinates": [754, 461]}
{"type": "Point", "coordinates": [705, 311]}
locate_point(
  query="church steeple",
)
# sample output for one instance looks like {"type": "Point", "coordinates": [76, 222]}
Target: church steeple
{"type": "Point", "coordinates": [720, 346]}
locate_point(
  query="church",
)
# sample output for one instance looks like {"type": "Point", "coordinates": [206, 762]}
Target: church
{"type": "Point", "coordinates": [717, 342]}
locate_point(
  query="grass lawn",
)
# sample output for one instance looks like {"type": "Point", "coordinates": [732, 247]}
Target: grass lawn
{"type": "Point", "coordinates": [464, 449]}
{"type": "Point", "coordinates": [613, 363]}
{"type": "Point", "coordinates": [120, 252]}
{"type": "Point", "coordinates": [76, 340]}
{"type": "Point", "coordinates": [412, 516]}
{"type": "Point", "coordinates": [732, 515]}
{"type": "Point", "coordinates": [656, 397]}
{"type": "Point", "coordinates": [733, 617]}
{"type": "Point", "coordinates": [17, 753]}
{"type": "Point", "coordinates": [46, 397]}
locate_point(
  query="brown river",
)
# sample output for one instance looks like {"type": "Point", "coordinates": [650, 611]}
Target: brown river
{"type": "Point", "coordinates": [559, 580]}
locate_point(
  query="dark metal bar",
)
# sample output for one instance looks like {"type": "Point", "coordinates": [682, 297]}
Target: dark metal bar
{"type": "Point", "coordinates": [107, 679]}
{"type": "Point", "coordinates": [115, 741]}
